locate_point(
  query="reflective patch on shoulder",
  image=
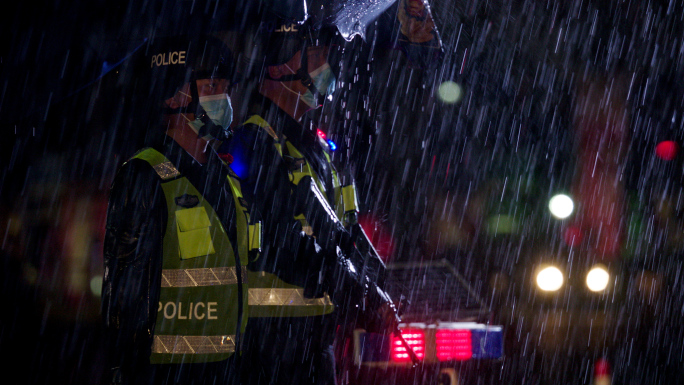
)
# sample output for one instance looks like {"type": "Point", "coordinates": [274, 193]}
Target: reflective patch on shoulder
{"type": "Point", "coordinates": [166, 170]}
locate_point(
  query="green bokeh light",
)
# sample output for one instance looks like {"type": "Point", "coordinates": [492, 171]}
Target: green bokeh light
{"type": "Point", "coordinates": [96, 285]}
{"type": "Point", "coordinates": [450, 92]}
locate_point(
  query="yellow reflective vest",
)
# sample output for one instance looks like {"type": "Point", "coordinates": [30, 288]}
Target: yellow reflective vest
{"type": "Point", "coordinates": [198, 310]}
{"type": "Point", "coordinates": [269, 296]}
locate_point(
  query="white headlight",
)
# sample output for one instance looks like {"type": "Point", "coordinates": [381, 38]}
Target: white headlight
{"type": "Point", "coordinates": [549, 279]}
{"type": "Point", "coordinates": [561, 206]}
{"type": "Point", "coordinates": [597, 278]}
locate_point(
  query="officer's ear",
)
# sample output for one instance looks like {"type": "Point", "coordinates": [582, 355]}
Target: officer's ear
{"type": "Point", "coordinates": [180, 99]}
{"type": "Point", "coordinates": [171, 103]}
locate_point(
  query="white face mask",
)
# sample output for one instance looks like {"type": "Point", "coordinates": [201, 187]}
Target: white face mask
{"type": "Point", "coordinates": [324, 81]}
{"type": "Point", "coordinates": [218, 109]}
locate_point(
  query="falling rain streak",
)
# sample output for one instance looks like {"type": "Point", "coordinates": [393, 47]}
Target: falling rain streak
{"type": "Point", "coordinates": [458, 160]}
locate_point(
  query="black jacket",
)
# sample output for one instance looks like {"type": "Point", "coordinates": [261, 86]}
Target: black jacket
{"type": "Point", "coordinates": [136, 223]}
{"type": "Point", "coordinates": [272, 197]}
{"type": "Point", "coordinates": [292, 349]}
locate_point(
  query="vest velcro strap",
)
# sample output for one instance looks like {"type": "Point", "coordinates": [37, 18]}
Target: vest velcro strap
{"type": "Point", "coordinates": [284, 297]}
{"type": "Point", "coordinates": [202, 277]}
{"type": "Point", "coordinates": [166, 170]}
{"type": "Point", "coordinates": [174, 344]}
{"type": "Point", "coordinates": [255, 236]}
{"type": "Point", "coordinates": [349, 198]}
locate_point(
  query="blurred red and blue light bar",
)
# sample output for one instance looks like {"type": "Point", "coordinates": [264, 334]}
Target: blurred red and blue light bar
{"type": "Point", "coordinates": [446, 342]}
{"type": "Point", "coordinates": [453, 344]}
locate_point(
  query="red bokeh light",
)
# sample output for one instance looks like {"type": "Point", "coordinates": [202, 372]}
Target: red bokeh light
{"type": "Point", "coordinates": [572, 236]}
{"type": "Point", "coordinates": [667, 150]}
{"type": "Point", "coordinates": [378, 235]}
{"type": "Point", "coordinates": [601, 367]}
{"type": "Point", "coordinates": [321, 134]}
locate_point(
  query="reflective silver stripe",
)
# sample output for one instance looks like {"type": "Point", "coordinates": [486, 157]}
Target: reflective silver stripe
{"type": "Point", "coordinates": [165, 344]}
{"type": "Point", "coordinates": [201, 277]}
{"type": "Point", "coordinates": [166, 170]}
{"type": "Point", "coordinates": [285, 297]}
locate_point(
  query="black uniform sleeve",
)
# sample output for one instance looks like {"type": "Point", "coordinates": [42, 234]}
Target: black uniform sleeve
{"type": "Point", "coordinates": [136, 221]}
{"type": "Point", "coordinates": [287, 252]}
{"type": "Point", "coordinates": [351, 277]}
{"type": "Point", "coordinates": [317, 264]}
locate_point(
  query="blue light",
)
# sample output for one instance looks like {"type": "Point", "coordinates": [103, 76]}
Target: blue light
{"type": "Point", "coordinates": [240, 163]}
{"type": "Point", "coordinates": [332, 145]}
{"type": "Point", "coordinates": [487, 342]}
{"type": "Point", "coordinates": [240, 168]}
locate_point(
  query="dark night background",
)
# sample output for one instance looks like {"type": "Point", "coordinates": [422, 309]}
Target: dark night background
{"type": "Point", "coordinates": [430, 173]}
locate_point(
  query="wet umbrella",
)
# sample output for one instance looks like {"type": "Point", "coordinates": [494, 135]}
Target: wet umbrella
{"type": "Point", "coordinates": [350, 17]}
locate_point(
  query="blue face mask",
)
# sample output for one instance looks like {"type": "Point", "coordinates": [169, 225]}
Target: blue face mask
{"type": "Point", "coordinates": [218, 109]}
{"type": "Point", "coordinates": [324, 81]}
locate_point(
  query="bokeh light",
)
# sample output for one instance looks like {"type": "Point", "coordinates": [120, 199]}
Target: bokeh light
{"type": "Point", "coordinates": [597, 278]}
{"type": "Point", "coordinates": [572, 236]}
{"type": "Point", "coordinates": [380, 237]}
{"type": "Point", "coordinates": [549, 279]}
{"type": "Point", "coordinates": [502, 224]}
{"type": "Point", "coordinates": [450, 92]}
{"type": "Point", "coordinates": [96, 285]}
{"type": "Point", "coordinates": [561, 206]}
{"type": "Point", "coordinates": [667, 150]}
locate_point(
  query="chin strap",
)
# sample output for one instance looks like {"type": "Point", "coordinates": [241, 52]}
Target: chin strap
{"type": "Point", "coordinates": [302, 74]}
{"type": "Point", "coordinates": [304, 77]}
{"type": "Point", "coordinates": [209, 127]}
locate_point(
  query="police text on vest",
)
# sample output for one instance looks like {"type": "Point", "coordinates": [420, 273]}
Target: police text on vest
{"type": "Point", "coordinates": [195, 310]}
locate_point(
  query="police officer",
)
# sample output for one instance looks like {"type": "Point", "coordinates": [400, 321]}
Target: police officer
{"type": "Point", "coordinates": [300, 285]}
{"type": "Point", "coordinates": [174, 296]}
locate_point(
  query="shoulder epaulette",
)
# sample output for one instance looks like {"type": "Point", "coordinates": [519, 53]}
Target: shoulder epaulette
{"type": "Point", "coordinates": [161, 165]}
